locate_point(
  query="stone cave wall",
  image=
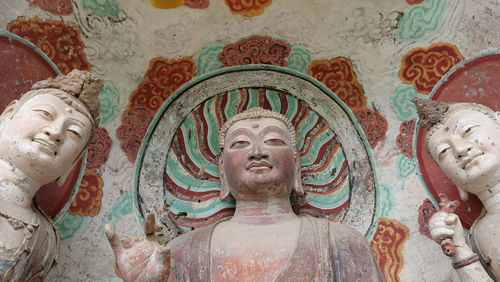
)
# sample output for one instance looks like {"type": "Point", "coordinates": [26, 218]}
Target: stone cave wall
{"type": "Point", "coordinates": [374, 55]}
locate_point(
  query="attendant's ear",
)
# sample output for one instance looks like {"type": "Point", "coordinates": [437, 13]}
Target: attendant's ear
{"type": "Point", "coordinates": [298, 189]}
{"type": "Point", "coordinates": [224, 189]}
{"type": "Point", "coordinates": [7, 114]}
{"type": "Point", "coordinates": [62, 179]}
{"type": "Point", "coordinates": [464, 195]}
{"type": "Point", "coordinates": [497, 116]}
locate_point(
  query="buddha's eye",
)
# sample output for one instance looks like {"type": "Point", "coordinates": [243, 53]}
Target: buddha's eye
{"type": "Point", "coordinates": [274, 142]}
{"type": "Point", "coordinates": [239, 144]}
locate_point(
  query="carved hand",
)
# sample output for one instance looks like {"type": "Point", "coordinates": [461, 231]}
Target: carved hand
{"type": "Point", "coordinates": [443, 225]}
{"type": "Point", "coordinates": [140, 260]}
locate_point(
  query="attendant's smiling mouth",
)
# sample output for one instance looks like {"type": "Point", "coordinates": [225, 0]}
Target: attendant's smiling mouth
{"type": "Point", "coordinates": [468, 162]}
{"type": "Point", "coordinates": [46, 145]}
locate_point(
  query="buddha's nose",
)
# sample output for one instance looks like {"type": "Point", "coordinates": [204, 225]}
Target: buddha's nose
{"type": "Point", "coordinates": [258, 152]}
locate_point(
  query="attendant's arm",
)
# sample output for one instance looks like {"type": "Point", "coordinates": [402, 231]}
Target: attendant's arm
{"type": "Point", "coordinates": [140, 260]}
{"type": "Point", "coordinates": [443, 226]}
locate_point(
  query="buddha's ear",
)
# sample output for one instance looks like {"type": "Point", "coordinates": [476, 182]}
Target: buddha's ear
{"type": "Point", "coordinates": [298, 189]}
{"type": "Point", "coordinates": [464, 195]}
{"type": "Point", "coordinates": [7, 114]}
{"type": "Point", "coordinates": [224, 189]}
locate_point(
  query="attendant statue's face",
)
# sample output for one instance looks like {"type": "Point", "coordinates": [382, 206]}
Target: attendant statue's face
{"type": "Point", "coordinates": [467, 148]}
{"type": "Point", "coordinates": [258, 160]}
{"type": "Point", "coordinates": [43, 137]}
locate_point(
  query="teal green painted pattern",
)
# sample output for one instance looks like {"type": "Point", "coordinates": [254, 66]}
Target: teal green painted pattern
{"type": "Point", "coordinates": [69, 225]}
{"type": "Point", "coordinates": [274, 100]}
{"type": "Point", "coordinates": [330, 201]}
{"type": "Point", "coordinates": [185, 180]}
{"type": "Point", "coordinates": [192, 146]}
{"type": "Point", "coordinates": [386, 200]}
{"type": "Point", "coordinates": [421, 20]}
{"type": "Point", "coordinates": [405, 166]}
{"type": "Point", "coordinates": [122, 206]}
{"type": "Point", "coordinates": [299, 59]}
{"type": "Point", "coordinates": [108, 8]}
{"type": "Point", "coordinates": [402, 104]}
{"type": "Point", "coordinates": [213, 125]}
{"type": "Point", "coordinates": [306, 125]}
{"type": "Point", "coordinates": [207, 59]}
{"type": "Point", "coordinates": [109, 102]}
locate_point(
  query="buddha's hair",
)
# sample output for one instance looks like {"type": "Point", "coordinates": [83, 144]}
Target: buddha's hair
{"type": "Point", "coordinates": [79, 89]}
{"type": "Point", "coordinates": [256, 113]}
{"type": "Point", "coordinates": [434, 114]}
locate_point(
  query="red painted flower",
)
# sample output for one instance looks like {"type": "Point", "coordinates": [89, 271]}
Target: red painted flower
{"type": "Point", "coordinates": [55, 7]}
{"type": "Point", "coordinates": [387, 244]}
{"type": "Point", "coordinates": [135, 122]}
{"type": "Point", "coordinates": [99, 148]}
{"type": "Point", "coordinates": [162, 78]}
{"type": "Point", "coordinates": [247, 8]}
{"type": "Point", "coordinates": [197, 4]}
{"type": "Point", "coordinates": [374, 125]}
{"type": "Point", "coordinates": [425, 211]}
{"type": "Point", "coordinates": [255, 50]}
{"type": "Point", "coordinates": [59, 40]}
{"type": "Point", "coordinates": [87, 201]}
{"type": "Point", "coordinates": [424, 67]}
{"type": "Point", "coordinates": [338, 75]}
{"type": "Point", "coordinates": [405, 137]}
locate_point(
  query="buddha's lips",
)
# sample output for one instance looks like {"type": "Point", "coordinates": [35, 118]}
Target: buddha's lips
{"type": "Point", "coordinates": [259, 165]}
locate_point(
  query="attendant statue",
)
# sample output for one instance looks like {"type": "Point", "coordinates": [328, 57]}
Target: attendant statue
{"type": "Point", "coordinates": [464, 140]}
{"type": "Point", "coordinates": [42, 136]}
{"type": "Point", "coordinates": [259, 166]}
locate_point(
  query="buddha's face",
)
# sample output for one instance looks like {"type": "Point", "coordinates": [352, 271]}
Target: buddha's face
{"type": "Point", "coordinates": [258, 159]}
{"type": "Point", "coordinates": [467, 148]}
{"type": "Point", "coordinates": [44, 137]}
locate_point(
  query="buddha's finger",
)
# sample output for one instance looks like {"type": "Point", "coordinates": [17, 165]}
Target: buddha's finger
{"type": "Point", "coordinates": [149, 224]}
{"type": "Point", "coordinates": [114, 240]}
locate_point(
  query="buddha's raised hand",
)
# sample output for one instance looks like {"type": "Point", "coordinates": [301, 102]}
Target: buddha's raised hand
{"type": "Point", "coordinates": [140, 260]}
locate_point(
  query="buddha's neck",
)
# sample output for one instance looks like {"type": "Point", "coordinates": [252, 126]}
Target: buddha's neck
{"type": "Point", "coordinates": [491, 198]}
{"type": "Point", "coordinates": [15, 186]}
{"type": "Point", "coordinates": [261, 212]}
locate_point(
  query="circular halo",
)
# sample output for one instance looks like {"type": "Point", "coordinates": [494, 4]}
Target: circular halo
{"type": "Point", "coordinates": [176, 168]}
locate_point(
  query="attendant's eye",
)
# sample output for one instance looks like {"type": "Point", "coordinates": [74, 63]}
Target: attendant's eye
{"type": "Point", "coordinates": [274, 142]}
{"type": "Point", "coordinates": [75, 133]}
{"type": "Point", "coordinates": [239, 144]}
{"type": "Point", "coordinates": [443, 151]}
{"type": "Point", "coordinates": [468, 131]}
{"type": "Point", "coordinates": [44, 113]}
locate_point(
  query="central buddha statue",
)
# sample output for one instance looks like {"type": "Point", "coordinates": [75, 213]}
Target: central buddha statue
{"type": "Point", "coordinates": [259, 166]}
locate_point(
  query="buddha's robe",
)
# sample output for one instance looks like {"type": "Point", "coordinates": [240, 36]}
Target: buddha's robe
{"type": "Point", "coordinates": [325, 251]}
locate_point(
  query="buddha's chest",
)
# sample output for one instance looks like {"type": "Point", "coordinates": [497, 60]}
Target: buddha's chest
{"type": "Point", "coordinates": [11, 238]}
{"type": "Point", "coordinates": [256, 265]}
{"type": "Point", "coordinates": [251, 257]}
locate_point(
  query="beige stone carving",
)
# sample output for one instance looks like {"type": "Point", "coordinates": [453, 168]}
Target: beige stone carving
{"type": "Point", "coordinates": [465, 142]}
{"type": "Point", "coordinates": [265, 240]}
{"type": "Point", "coordinates": [42, 135]}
